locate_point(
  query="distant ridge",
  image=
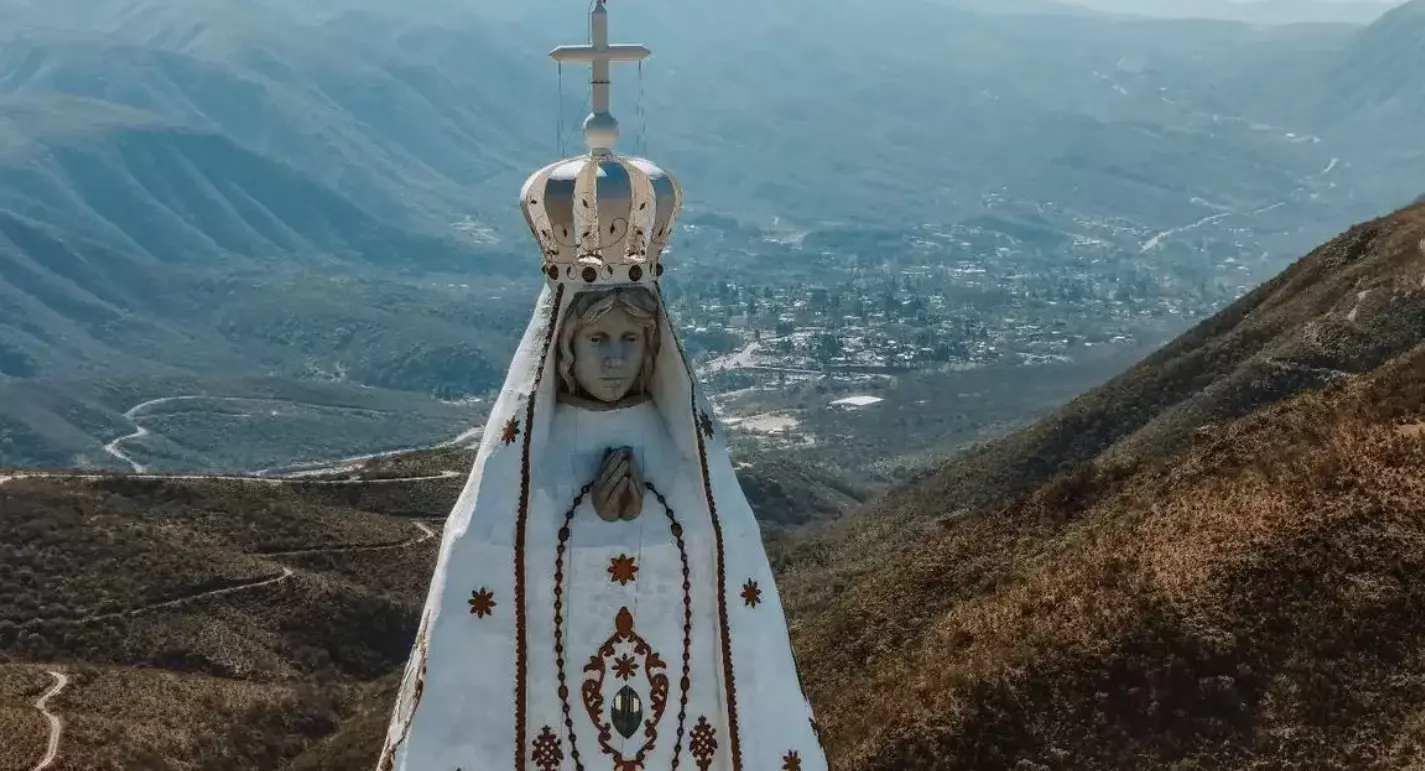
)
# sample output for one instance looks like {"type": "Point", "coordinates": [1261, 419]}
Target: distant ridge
{"type": "Point", "coordinates": [1376, 89]}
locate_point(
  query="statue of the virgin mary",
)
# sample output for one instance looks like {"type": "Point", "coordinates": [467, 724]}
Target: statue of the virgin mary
{"type": "Point", "coordinates": [602, 599]}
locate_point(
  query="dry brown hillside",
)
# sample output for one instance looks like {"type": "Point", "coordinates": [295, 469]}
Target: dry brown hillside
{"type": "Point", "coordinates": [1223, 570]}
{"type": "Point", "coordinates": [1256, 602]}
{"type": "Point", "coordinates": [207, 625]}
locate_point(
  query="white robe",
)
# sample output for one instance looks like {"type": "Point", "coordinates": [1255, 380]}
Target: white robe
{"type": "Point", "coordinates": [540, 613]}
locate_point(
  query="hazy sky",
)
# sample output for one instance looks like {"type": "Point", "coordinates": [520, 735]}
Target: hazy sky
{"type": "Point", "coordinates": [1268, 11]}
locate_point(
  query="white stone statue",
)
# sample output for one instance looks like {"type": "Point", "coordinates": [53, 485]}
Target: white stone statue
{"type": "Point", "coordinates": [602, 599]}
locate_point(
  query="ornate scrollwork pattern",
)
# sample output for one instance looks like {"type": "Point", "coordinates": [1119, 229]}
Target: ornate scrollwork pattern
{"type": "Point", "coordinates": [593, 690]}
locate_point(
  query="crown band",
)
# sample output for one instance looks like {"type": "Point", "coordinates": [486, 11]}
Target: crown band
{"type": "Point", "coordinates": [586, 272]}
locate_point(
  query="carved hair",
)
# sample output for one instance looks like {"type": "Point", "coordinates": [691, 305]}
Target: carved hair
{"type": "Point", "coordinates": [588, 307]}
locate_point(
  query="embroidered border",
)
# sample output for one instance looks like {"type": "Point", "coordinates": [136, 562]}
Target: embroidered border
{"type": "Point", "coordinates": [730, 684]}
{"type": "Point", "coordinates": [725, 634]}
{"type": "Point", "coordinates": [521, 520]}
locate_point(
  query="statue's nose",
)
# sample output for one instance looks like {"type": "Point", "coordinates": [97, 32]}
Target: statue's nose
{"type": "Point", "coordinates": [614, 356]}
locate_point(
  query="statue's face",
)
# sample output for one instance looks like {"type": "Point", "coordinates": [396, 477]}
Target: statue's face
{"type": "Point", "coordinates": [608, 355]}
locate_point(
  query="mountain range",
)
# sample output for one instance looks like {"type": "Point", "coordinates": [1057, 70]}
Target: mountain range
{"type": "Point", "coordinates": [258, 199]}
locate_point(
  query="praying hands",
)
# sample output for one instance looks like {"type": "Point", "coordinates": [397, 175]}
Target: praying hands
{"type": "Point", "coordinates": [618, 490]}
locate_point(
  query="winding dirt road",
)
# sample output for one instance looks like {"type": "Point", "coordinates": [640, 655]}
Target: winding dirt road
{"type": "Point", "coordinates": [1166, 235]}
{"type": "Point", "coordinates": [116, 451]}
{"type": "Point", "coordinates": [56, 726]}
{"type": "Point", "coordinates": [257, 584]}
{"type": "Point", "coordinates": [426, 534]}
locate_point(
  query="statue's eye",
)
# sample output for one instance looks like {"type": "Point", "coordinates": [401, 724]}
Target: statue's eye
{"type": "Point", "coordinates": [632, 337]}
{"type": "Point", "coordinates": [598, 337]}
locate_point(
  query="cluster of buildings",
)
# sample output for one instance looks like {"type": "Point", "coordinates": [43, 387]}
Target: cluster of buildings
{"type": "Point", "coordinates": [959, 295]}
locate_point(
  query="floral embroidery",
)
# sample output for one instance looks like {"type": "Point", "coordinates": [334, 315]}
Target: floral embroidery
{"type": "Point", "coordinates": [511, 431]}
{"type": "Point", "coordinates": [627, 705]}
{"type": "Point", "coordinates": [482, 603]}
{"type": "Point", "coordinates": [751, 594]}
{"type": "Point", "coordinates": [623, 569]}
{"type": "Point", "coordinates": [625, 667]}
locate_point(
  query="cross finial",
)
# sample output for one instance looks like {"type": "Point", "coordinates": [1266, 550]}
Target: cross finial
{"type": "Point", "coordinates": [600, 128]}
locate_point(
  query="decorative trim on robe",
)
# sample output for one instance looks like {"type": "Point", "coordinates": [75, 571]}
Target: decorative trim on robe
{"type": "Point", "coordinates": [521, 519]}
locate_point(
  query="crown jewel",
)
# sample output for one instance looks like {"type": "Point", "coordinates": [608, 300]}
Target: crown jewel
{"type": "Point", "coordinates": [601, 217]}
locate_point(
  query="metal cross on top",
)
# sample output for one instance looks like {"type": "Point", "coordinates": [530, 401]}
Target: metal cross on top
{"type": "Point", "coordinates": [600, 128]}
